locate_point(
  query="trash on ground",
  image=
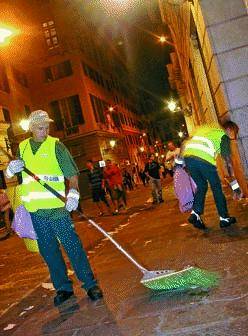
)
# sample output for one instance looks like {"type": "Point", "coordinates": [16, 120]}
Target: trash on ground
{"type": "Point", "coordinates": [47, 285]}
{"type": "Point", "coordinates": [9, 326]}
{"type": "Point", "coordinates": [29, 308]}
{"type": "Point", "coordinates": [22, 313]}
{"type": "Point", "coordinates": [184, 224]}
{"type": "Point", "coordinates": [147, 242]}
{"type": "Point", "coordinates": [134, 214]}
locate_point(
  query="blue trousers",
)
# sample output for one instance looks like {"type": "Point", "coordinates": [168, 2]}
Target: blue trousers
{"type": "Point", "coordinates": [203, 172]}
{"type": "Point", "coordinates": [49, 231]}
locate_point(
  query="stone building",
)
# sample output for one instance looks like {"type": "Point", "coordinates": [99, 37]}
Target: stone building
{"type": "Point", "coordinates": [60, 62]}
{"type": "Point", "coordinates": [209, 67]}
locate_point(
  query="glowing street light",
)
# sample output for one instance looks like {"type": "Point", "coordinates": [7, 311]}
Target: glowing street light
{"type": "Point", "coordinates": [162, 39]}
{"type": "Point", "coordinates": [142, 149]}
{"type": "Point", "coordinates": [4, 34]}
{"type": "Point", "coordinates": [24, 124]}
{"type": "Point", "coordinates": [111, 109]}
{"type": "Point", "coordinates": [180, 134]}
{"type": "Point", "coordinates": [172, 105]}
{"type": "Point", "coordinates": [112, 143]}
{"type": "Point", "coordinates": [156, 154]}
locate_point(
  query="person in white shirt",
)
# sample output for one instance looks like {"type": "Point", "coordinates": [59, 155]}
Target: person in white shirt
{"type": "Point", "coordinates": [172, 153]}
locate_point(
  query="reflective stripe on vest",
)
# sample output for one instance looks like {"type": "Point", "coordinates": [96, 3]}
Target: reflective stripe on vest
{"type": "Point", "coordinates": [206, 145]}
{"type": "Point", "coordinates": [44, 164]}
{"type": "Point", "coordinates": [38, 195]}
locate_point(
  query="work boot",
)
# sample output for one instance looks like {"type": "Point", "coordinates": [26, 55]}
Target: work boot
{"type": "Point", "coordinates": [225, 222]}
{"type": "Point", "coordinates": [95, 293]}
{"type": "Point", "coordinates": [61, 297]}
{"type": "Point", "coordinates": [196, 221]}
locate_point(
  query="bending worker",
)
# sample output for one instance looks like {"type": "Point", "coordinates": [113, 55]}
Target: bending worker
{"type": "Point", "coordinates": [48, 158]}
{"type": "Point", "coordinates": [200, 154]}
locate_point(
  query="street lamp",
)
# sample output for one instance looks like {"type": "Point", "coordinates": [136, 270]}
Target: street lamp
{"type": "Point", "coordinates": [142, 149]}
{"type": "Point", "coordinates": [180, 134]}
{"type": "Point", "coordinates": [172, 105]}
{"type": "Point", "coordinates": [24, 124]}
{"type": "Point", "coordinates": [5, 34]}
{"type": "Point", "coordinates": [111, 108]}
{"type": "Point", "coordinates": [112, 143]}
{"type": "Point", "coordinates": [162, 39]}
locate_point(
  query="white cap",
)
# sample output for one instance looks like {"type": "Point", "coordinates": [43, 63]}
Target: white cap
{"type": "Point", "coordinates": [39, 116]}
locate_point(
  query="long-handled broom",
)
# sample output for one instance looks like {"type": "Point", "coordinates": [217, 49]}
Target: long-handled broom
{"type": "Point", "coordinates": [189, 277]}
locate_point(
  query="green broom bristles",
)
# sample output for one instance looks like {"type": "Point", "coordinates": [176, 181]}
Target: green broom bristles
{"type": "Point", "coordinates": [186, 279]}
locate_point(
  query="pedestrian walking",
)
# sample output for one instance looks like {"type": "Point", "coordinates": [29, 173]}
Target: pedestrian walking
{"type": "Point", "coordinates": [97, 184]}
{"type": "Point", "coordinates": [143, 177]}
{"type": "Point", "coordinates": [200, 153]}
{"type": "Point", "coordinates": [127, 180]}
{"type": "Point", "coordinates": [173, 152]}
{"type": "Point", "coordinates": [152, 169]}
{"type": "Point", "coordinates": [112, 174]}
{"type": "Point", "coordinates": [50, 160]}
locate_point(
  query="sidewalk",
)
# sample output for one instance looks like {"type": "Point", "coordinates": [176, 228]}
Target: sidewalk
{"type": "Point", "coordinates": [128, 309]}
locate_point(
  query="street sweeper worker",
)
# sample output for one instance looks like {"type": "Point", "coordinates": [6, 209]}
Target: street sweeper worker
{"type": "Point", "coordinates": [48, 158]}
{"type": "Point", "coordinates": [200, 153]}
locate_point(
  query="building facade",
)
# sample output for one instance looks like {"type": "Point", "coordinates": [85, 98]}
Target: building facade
{"type": "Point", "coordinates": [209, 66]}
{"type": "Point", "coordinates": [60, 62]}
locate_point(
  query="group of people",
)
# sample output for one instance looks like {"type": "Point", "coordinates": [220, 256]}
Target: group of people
{"type": "Point", "coordinates": [104, 182]}
{"type": "Point", "coordinates": [50, 160]}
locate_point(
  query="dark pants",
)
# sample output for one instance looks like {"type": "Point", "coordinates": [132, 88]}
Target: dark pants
{"type": "Point", "coordinates": [49, 231]}
{"type": "Point", "coordinates": [203, 172]}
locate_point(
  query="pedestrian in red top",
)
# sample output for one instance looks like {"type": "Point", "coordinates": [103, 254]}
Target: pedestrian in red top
{"type": "Point", "coordinates": [112, 174]}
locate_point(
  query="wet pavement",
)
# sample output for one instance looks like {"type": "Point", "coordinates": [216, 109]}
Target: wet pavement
{"type": "Point", "coordinates": [159, 238]}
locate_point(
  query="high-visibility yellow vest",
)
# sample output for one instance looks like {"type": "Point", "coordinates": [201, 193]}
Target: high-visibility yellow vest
{"type": "Point", "coordinates": [44, 164]}
{"type": "Point", "coordinates": [205, 144]}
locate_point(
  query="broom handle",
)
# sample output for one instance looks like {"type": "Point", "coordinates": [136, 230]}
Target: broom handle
{"type": "Point", "coordinates": [141, 268]}
{"type": "Point", "coordinates": [54, 192]}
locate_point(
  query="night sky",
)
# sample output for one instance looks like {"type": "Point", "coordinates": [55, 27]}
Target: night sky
{"type": "Point", "coordinates": [146, 58]}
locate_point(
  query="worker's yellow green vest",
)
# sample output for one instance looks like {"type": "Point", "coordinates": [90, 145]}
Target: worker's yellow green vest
{"type": "Point", "coordinates": [44, 164]}
{"type": "Point", "coordinates": [205, 144]}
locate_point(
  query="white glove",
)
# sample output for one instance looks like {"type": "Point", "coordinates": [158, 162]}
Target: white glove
{"type": "Point", "coordinates": [72, 200]}
{"type": "Point", "coordinates": [14, 167]}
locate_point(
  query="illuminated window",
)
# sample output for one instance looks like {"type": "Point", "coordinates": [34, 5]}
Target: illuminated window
{"type": "Point", "coordinates": [50, 34]}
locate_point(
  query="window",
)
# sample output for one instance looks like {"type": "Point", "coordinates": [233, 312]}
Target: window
{"type": "Point", "coordinates": [50, 34]}
{"type": "Point", "coordinates": [67, 114]}
{"type": "Point", "coordinates": [95, 76]}
{"type": "Point", "coordinates": [20, 77]}
{"type": "Point", "coordinates": [4, 84]}
{"type": "Point", "coordinates": [99, 107]}
{"type": "Point", "coordinates": [6, 115]}
{"type": "Point", "coordinates": [58, 71]}
{"type": "Point", "coordinates": [27, 110]}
